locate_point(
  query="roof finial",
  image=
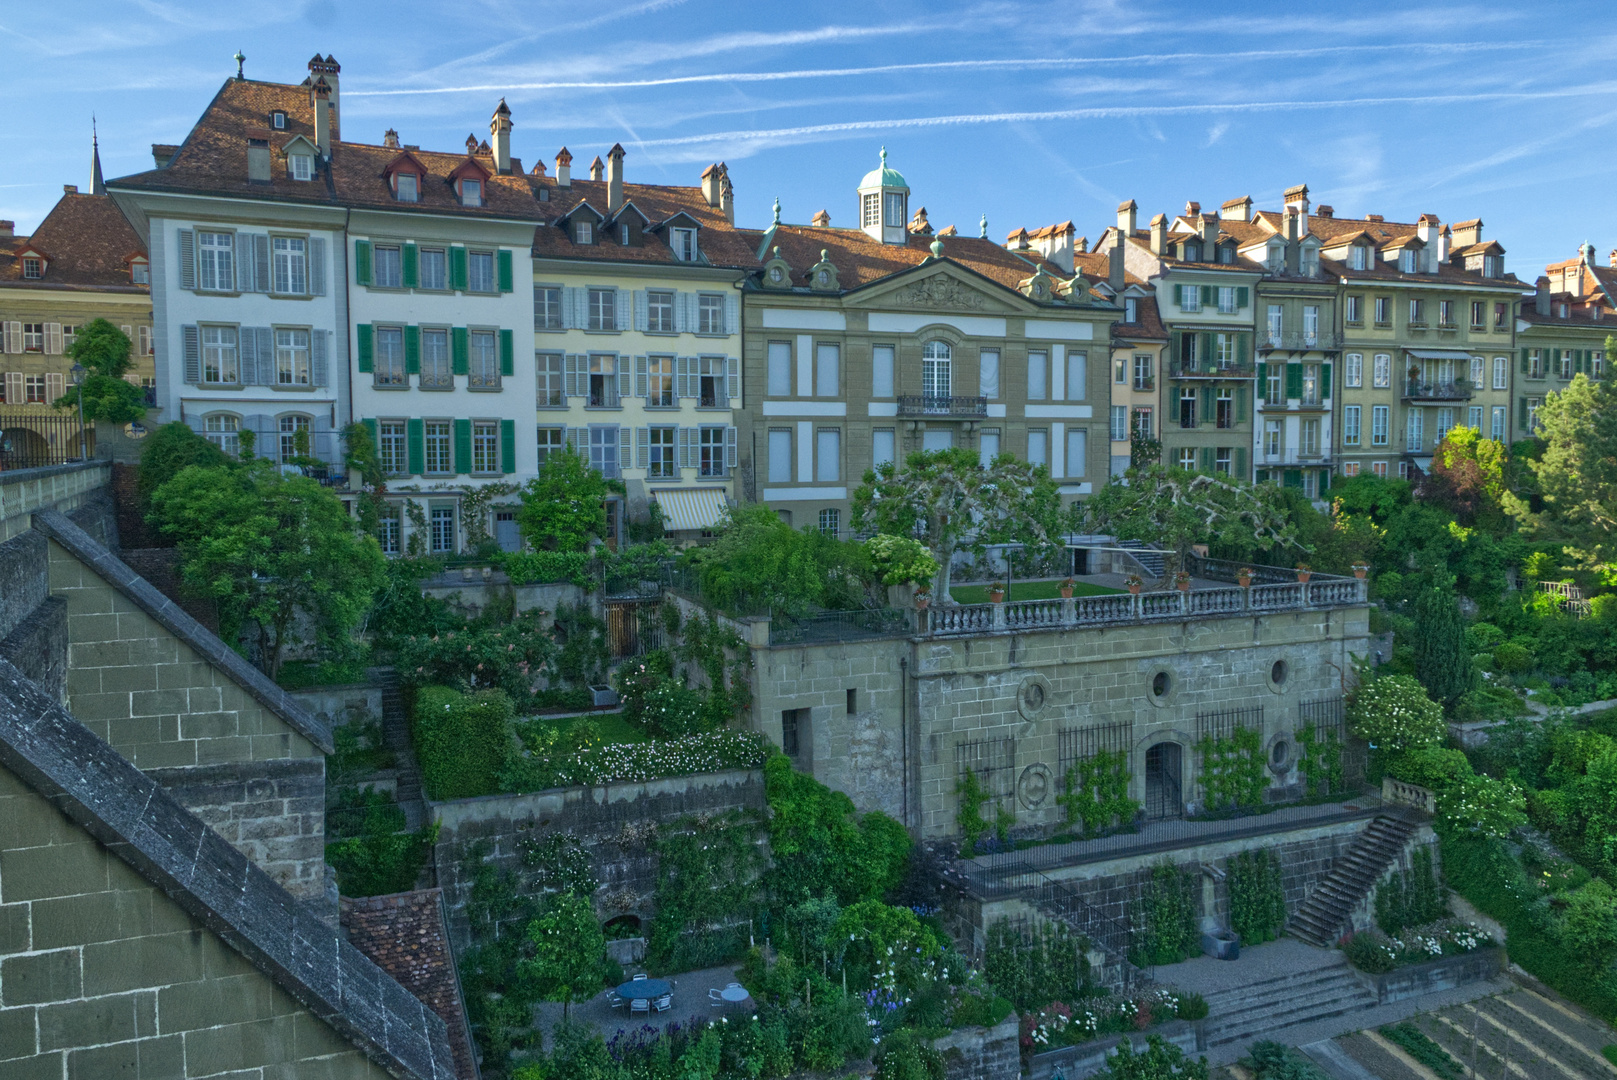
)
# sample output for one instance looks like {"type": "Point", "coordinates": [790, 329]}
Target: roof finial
{"type": "Point", "coordinates": [884, 157]}
{"type": "Point", "coordinates": [982, 228]}
{"type": "Point", "coordinates": [98, 185]}
{"type": "Point", "coordinates": [777, 209]}
{"type": "Point", "coordinates": [240, 60]}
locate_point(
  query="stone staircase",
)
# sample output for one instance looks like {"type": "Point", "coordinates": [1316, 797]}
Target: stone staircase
{"type": "Point", "coordinates": [1150, 559]}
{"type": "Point", "coordinates": [1323, 917]}
{"type": "Point", "coordinates": [396, 737]}
{"type": "Point", "coordinates": [1257, 1009]}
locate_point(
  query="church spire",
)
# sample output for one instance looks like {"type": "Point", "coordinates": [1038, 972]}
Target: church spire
{"type": "Point", "coordinates": [98, 186]}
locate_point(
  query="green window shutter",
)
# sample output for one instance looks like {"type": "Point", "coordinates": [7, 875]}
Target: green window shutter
{"type": "Point", "coordinates": [1209, 361]}
{"type": "Point", "coordinates": [1294, 380]}
{"type": "Point", "coordinates": [457, 267]}
{"type": "Point", "coordinates": [1262, 476]}
{"type": "Point", "coordinates": [1243, 348]}
{"type": "Point", "coordinates": [1242, 295]}
{"type": "Point", "coordinates": [415, 439]}
{"type": "Point", "coordinates": [366, 358]}
{"type": "Point", "coordinates": [1557, 358]}
{"type": "Point", "coordinates": [508, 446]}
{"type": "Point", "coordinates": [1294, 479]}
{"type": "Point", "coordinates": [463, 446]}
{"type": "Point", "coordinates": [1324, 481]}
{"type": "Point", "coordinates": [507, 278]}
{"type": "Point", "coordinates": [460, 350]}
{"type": "Point", "coordinates": [1241, 405]}
{"type": "Point", "coordinates": [1207, 459]}
{"type": "Point", "coordinates": [1240, 462]}
{"type": "Point", "coordinates": [412, 350]}
{"type": "Point", "coordinates": [412, 267]}
{"type": "Point", "coordinates": [1521, 413]}
{"type": "Point", "coordinates": [362, 264]}
{"type": "Point", "coordinates": [508, 353]}
{"type": "Point", "coordinates": [370, 425]}
{"type": "Point", "coordinates": [1209, 295]}
{"type": "Point", "coordinates": [1209, 405]}
{"type": "Point", "coordinates": [1263, 379]}
{"type": "Point", "coordinates": [1324, 381]}
{"type": "Point", "coordinates": [1524, 360]}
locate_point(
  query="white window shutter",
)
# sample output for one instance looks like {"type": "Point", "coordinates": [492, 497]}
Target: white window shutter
{"type": "Point", "coordinates": [319, 356]}
{"type": "Point", "coordinates": [620, 310]}
{"type": "Point", "coordinates": [732, 379]}
{"type": "Point", "coordinates": [55, 386]}
{"type": "Point", "coordinates": [642, 313]}
{"type": "Point", "coordinates": [261, 262]}
{"type": "Point", "coordinates": [642, 376]}
{"type": "Point", "coordinates": [317, 266]}
{"type": "Point", "coordinates": [732, 313]}
{"type": "Point", "coordinates": [15, 388]}
{"type": "Point", "coordinates": [14, 337]}
{"type": "Point", "coordinates": [580, 444]}
{"type": "Point", "coordinates": [625, 446]}
{"type": "Point", "coordinates": [129, 332]}
{"type": "Point", "coordinates": [247, 355]}
{"type": "Point", "coordinates": [642, 448]}
{"type": "Point", "coordinates": [684, 439]}
{"type": "Point", "coordinates": [729, 448]}
{"type": "Point", "coordinates": [266, 356]}
{"type": "Point", "coordinates": [569, 375]}
{"type": "Point", "coordinates": [53, 338]}
{"type": "Point", "coordinates": [144, 344]}
{"type": "Point", "coordinates": [625, 378]}
{"type": "Point", "coordinates": [682, 325]}
{"type": "Point", "coordinates": [193, 354]}
{"type": "Point", "coordinates": [188, 259]}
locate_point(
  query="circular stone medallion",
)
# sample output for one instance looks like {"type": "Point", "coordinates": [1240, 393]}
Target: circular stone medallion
{"type": "Point", "coordinates": [1033, 787]}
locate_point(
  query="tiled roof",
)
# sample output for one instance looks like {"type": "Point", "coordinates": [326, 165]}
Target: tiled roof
{"type": "Point", "coordinates": [404, 935]}
{"type": "Point", "coordinates": [87, 241]}
{"type": "Point", "coordinates": [718, 240]}
{"type": "Point", "coordinates": [1148, 327]}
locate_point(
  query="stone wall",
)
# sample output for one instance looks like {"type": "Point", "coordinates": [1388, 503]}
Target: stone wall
{"type": "Point", "coordinates": [350, 703]}
{"type": "Point", "coordinates": [611, 821]}
{"type": "Point", "coordinates": [1446, 973]}
{"type": "Point", "coordinates": [1089, 1059]}
{"type": "Point", "coordinates": [470, 595]}
{"type": "Point", "coordinates": [982, 1053]}
{"type": "Point", "coordinates": [54, 487]}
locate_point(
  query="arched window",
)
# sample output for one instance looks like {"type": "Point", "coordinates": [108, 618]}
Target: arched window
{"type": "Point", "coordinates": [935, 381]}
{"type": "Point", "coordinates": [223, 430]}
{"type": "Point", "coordinates": [294, 437]}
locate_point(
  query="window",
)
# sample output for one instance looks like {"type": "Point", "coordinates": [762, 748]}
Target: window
{"type": "Point", "coordinates": [935, 373]}
{"type": "Point", "coordinates": [480, 271]}
{"type": "Point", "coordinates": [387, 267]}
{"type": "Point", "coordinates": [710, 451]}
{"type": "Point", "coordinates": [1406, 261]}
{"type": "Point", "coordinates": [1414, 429]}
{"type": "Point", "coordinates": [302, 167]}
{"type": "Point", "coordinates": [294, 432]}
{"type": "Point", "coordinates": [390, 448]}
{"type": "Point", "coordinates": [1310, 384]}
{"type": "Point", "coordinates": [1474, 418]}
{"type": "Point", "coordinates": [443, 529]}
{"type": "Point", "coordinates": [291, 265]}
{"type": "Point", "coordinates": [1274, 393]}
{"type": "Point", "coordinates": [1445, 313]}
{"type": "Point", "coordinates": [223, 431]}
{"type": "Point", "coordinates": [471, 192]}
{"type": "Point", "coordinates": [1277, 259]}
{"type": "Point", "coordinates": [1496, 428]}
{"type": "Point", "coordinates": [1038, 447]}
{"type": "Point", "coordinates": [485, 446]}
{"type": "Point", "coordinates": [1035, 377]}
{"type": "Point", "coordinates": [1131, 309]}
{"type": "Point", "coordinates": [827, 369]}
{"type": "Point", "coordinates": [1379, 423]}
{"type": "Point", "coordinates": [1354, 308]}
{"type": "Point", "coordinates": [1479, 315]}
{"type": "Point", "coordinates": [1417, 313]}
{"type": "Point", "coordinates": [552, 440]}
{"type": "Point", "coordinates": [291, 358]}
{"type": "Point", "coordinates": [780, 369]}
{"type": "Point", "coordinates": [603, 450]}
{"type": "Point", "coordinates": [140, 272]}
{"type": "Point", "coordinates": [1445, 424]}
{"type": "Point", "coordinates": [1350, 425]}
{"type": "Point", "coordinates": [1310, 440]}
{"type": "Point", "coordinates": [1185, 458]}
{"type": "Point", "coordinates": [1224, 350]}
{"type": "Point", "coordinates": [484, 370]}
{"type": "Point", "coordinates": [883, 446]}
{"type": "Point", "coordinates": [1356, 260]}
{"type": "Point", "coordinates": [1187, 407]}
{"type": "Point", "coordinates": [1120, 371]}
{"type": "Point", "coordinates": [1226, 300]}
{"type": "Point", "coordinates": [894, 214]}
{"type": "Point", "coordinates": [390, 528]}
{"type": "Point", "coordinates": [1310, 483]}
{"type": "Point", "coordinates": [660, 381]}
{"type": "Point", "coordinates": [659, 311]}
{"type": "Point", "coordinates": [1120, 423]}
{"type": "Point", "coordinates": [1276, 323]}
{"type": "Point", "coordinates": [623, 234]}
{"type": "Point", "coordinates": [1355, 368]}
{"type": "Point", "coordinates": [1142, 423]}
{"type": "Point", "coordinates": [711, 393]}
{"type": "Point", "coordinates": [548, 371]}
{"type": "Point", "coordinates": [831, 525]}
{"type": "Point", "coordinates": [1350, 468]}
{"type": "Point", "coordinates": [828, 455]}
{"type": "Point", "coordinates": [278, 120]}
{"type": "Point", "coordinates": [388, 363]}
{"type": "Point", "coordinates": [546, 300]}
{"type": "Point", "coordinates": [1310, 325]}
{"type": "Point", "coordinates": [1476, 373]}
{"type": "Point", "coordinates": [143, 339]}
{"type": "Point", "coordinates": [603, 377]}
{"type": "Point", "coordinates": [709, 314]}
{"type": "Point", "coordinates": [1597, 360]}
{"type": "Point", "coordinates": [405, 187]}
{"type": "Point", "coordinates": [1379, 469]}
{"type": "Point", "coordinates": [1500, 369]}
{"type": "Point", "coordinates": [33, 337]}
{"type": "Point", "coordinates": [794, 722]}
{"type": "Point", "coordinates": [436, 372]}
{"type": "Point", "coordinates": [1193, 252]}
{"type": "Point", "coordinates": [987, 447]}
{"type": "Point", "coordinates": [1501, 315]}
{"type": "Point", "coordinates": [1143, 378]}
{"type": "Point", "coordinates": [436, 434]}
{"type": "Point", "coordinates": [1271, 438]}
{"type": "Point", "coordinates": [988, 373]}
{"type": "Point", "coordinates": [1077, 451]}
{"type": "Point", "coordinates": [1222, 459]}
{"type": "Point", "coordinates": [780, 456]}
{"type": "Point", "coordinates": [1533, 405]}
{"type": "Point", "coordinates": [1383, 311]}
{"type": "Point", "coordinates": [1225, 404]}
{"type": "Point", "coordinates": [219, 355]}
{"type": "Point", "coordinates": [1310, 262]}
{"type": "Point", "coordinates": [1190, 298]}
{"type": "Point", "coordinates": [660, 460]}
{"type": "Point", "coordinates": [215, 262]}
{"type": "Point", "coordinates": [1535, 364]}
{"type": "Point", "coordinates": [683, 241]}
{"type": "Point", "coordinates": [584, 232]}
{"type": "Point", "coordinates": [603, 309]}
{"type": "Point", "coordinates": [1383, 370]}
{"type": "Point", "coordinates": [1566, 363]}
{"type": "Point", "coordinates": [34, 390]}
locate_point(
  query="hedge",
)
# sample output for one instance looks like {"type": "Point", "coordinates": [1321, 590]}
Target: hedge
{"type": "Point", "coordinates": [544, 567]}
{"type": "Point", "coordinates": [462, 741]}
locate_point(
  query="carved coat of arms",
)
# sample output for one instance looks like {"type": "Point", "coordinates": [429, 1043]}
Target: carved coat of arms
{"type": "Point", "coordinates": [940, 291]}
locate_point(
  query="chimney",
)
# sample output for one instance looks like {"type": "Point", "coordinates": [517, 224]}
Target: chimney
{"type": "Point", "coordinates": [499, 133]}
{"type": "Point", "coordinates": [538, 169]}
{"type": "Point", "coordinates": [710, 184]}
{"type": "Point", "coordinates": [1374, 217]}
{"type": "Point", "coordinates": [1587, 252]}
{"type": "Point", "coordinates": [1292, 233]}
{"type": "Point", "coordinates": [1192, 209]}
{"type": "Point", "coordinates": [1541, 298]}
{"type": "Point", "coordinates": [564, 168]}
{"type": "Point", "coordinates": [727, 195]}
{"type": "Point", "coordinates": [919, 225]}
{"type": "Point", "coordinates": [1612, 258]}
{"type": "Point", "coordinates": [1467, 233]}
{"type": "Point", "coordinates": [822, 220]}
{"type": "Point", "coordinates": [8, 229]}
{"type": "Point", "coordinates": [1125, 217]}
{"type": "Point", "coordinates": [327, 69]}
{"type": "Point", "coordinates": [1444, 246]}
{"type": "Point", "coordinates": [322, 116]}
{"type": "Point", "coordinates": [1159, 235]}
{"type": "Point", "coordinates": [1237, 209]}
{"type": "Point", "coordinates": [1059, 245]}
{"type": "Point", "coordinates": [1297, 198]}
{"type": "Point", "coordinates": [390, 139]}
{"type": "Point", "coordinates": [1017, 241]}
{"type": "Point", "coordinates": [1081, 245]}
{"type": "Point", "coordinates": [597, 170]}
{"type": "Point", "coordinates": [1210, 237]}
{"type": "Point", "coordinates": [1426, 227]}
{"type": "Point", "coordinates": [70, 189]}
{"type": "Point", "coordinates": [1114, 262]}
{"type": "Point", "coordinates": [614, 178]}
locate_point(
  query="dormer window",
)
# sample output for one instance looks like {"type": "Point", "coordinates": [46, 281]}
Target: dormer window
{"type": "Point", "coordinates": [302, 166]}
{"type": "Point", "coordinates": [1493, 266]}
{"type": "Point", "coordinates": [1406, 260]}
{"type": "Point", "coordinates": [1131, 309]}
{"type": "Point", "coordinates": [1310, 262]}
{"type": "Point", "coordinates": [623, 234]}
{"type": "Point", "coordinates": [1193, 253]}
{"type": "Point", "coordinates": [583, 232]}
{"type": "Point", "coordinates": [278, 120]}
{"type": "Point", "coordinates": [1226, 254]}
{"type": "Point", "coordinates": [407, 187]}
{"type": "Point", "coordinates": [683, 241]}
{"type": "Point", "coordinates": [471, 192]}
{"type": "Point", "coordinates": [1356, 257]}
{"type": "Point", "coordinates": [1277, 258]}
{"type": "Point", "coordinates": [33, 268]}
{"type": "Point", "coordinates": [1565, 312]}
{"type": "Point", "coordinates": [140, 272]}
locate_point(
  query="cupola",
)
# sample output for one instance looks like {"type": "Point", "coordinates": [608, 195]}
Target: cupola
{"type": "Point", "coordinates": [884, 204]}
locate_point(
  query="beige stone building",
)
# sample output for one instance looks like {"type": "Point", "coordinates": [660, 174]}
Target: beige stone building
{"type": "Point", "coordinates": [1561, 333]}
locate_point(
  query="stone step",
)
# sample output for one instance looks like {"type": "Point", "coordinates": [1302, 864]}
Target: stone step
{"type": "Point", "coordinates": [1298, 996]}
{"type": "Point", "coordinates": [1278, 984]}
{"type": "Point", "coordinates": [1322, 915]}
{"type": "Point", "coordinates": [1256, 1023]}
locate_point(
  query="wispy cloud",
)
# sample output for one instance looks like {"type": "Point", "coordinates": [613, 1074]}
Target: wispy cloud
{"type": "Point", "coordinates": [1216, 132]}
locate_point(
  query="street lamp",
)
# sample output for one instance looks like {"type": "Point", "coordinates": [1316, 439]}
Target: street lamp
{"type": "Point", "coordinates": [1008, 549]}
{"type": "Point", "coordinates": [78, 373]}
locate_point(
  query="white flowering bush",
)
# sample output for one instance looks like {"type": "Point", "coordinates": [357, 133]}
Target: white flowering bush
{"type": "Point", "coordinates": [1481, 806]}
{"type": "Point", "coordinates": [1393, 713]}
{"type": "Point", "coordinates": [1376, 953]}
{"type": "Point", "coordinates": [711, 751]}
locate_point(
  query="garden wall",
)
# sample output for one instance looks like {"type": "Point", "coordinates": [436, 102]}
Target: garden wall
{"type": "Point", "coordinates": [615, 823]}
{"type": "Point", "coordinates": [471, 594]}
{"type": "Point", "coordinates": [1442, 974]}
{"type": "Point", "coordinates": [979, 1053]}
{"type": "Point", "coordinates": [1087, 1059]}
{"type": "Point", "coordinates": [350, 703]}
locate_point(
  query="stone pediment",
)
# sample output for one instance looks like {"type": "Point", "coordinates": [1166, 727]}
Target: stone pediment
{"type": "Point", "coordinates": [938, 291]}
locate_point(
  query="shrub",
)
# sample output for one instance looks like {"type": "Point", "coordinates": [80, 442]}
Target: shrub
{"type": "Point", "coordinates": [1512, 658]}
{"type": "Point", "coordinates": [1482, 806]}
{"type": "Point", "coordinates": [369, 847]}
{"type": "Point", "coordinates": [900, 560]}
{"type": "Point", "coordinates": [1432, 767]}
{"type": "Point", "coordinates": [543, 567]}
{"type": "Point", "coordinates": [1410, 897]}
{"type": "Point", "coordinates": [1164, 918]}
{"type": "Point", "coordinates": [511, 658]}
{"type": "Point", "coordinates": [1277, 1061]}
{"type": "Point", "coordinates": [1257, 896]}
{"type": "Point", "coordinates": [1393, 713]}
{"type": "Point", "coordinates": [171, 448]}
{"type": "Point", "coordinates": [1161, 1060]}
{"type": "Point", "coordinates": [907, 1054]}
{"type": "Point", "coordinates": [462, 741]}
{"type": "Point", "coordinates": [1034, 965]}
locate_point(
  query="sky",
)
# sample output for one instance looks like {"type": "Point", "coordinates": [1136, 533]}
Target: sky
{"type": "Point", "coordinates": [1029, 114]}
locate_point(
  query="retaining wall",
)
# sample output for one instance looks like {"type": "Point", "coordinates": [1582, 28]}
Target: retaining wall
{"type": "Point", "coordinates": [980, 1053]}
{"type": "Point", "coordinates": [1088, 1059]}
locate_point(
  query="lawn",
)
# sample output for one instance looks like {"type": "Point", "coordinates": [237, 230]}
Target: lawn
{"type": "Point", "coordinates": [613, 727]}
{"type": "Point", "coordinates": [1027, 590]}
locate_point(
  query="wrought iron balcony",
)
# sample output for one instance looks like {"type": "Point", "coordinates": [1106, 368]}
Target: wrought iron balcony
{"type": "Point", "coordinates": [936, 405]}
{"type": "Point", "coordinates": [1300, 340]}
{"type": "Point", "coordinates": [1421, 390]}
{"type": "Point", "coordinates": [1211, 371]}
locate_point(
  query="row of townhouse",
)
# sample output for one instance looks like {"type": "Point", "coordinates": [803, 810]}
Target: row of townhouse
{"type": "Point", "coordinates": [300, 281]}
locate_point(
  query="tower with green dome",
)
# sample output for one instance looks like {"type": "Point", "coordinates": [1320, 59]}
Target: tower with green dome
{"type": "Point", "coordinates": [884, 204]}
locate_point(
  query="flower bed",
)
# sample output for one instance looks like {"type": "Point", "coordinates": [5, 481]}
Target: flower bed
{"type": "Point", "coordinates": [633, 762]}
{"type": "Point", "coordinates": [1060, 1024]}
{"type": "Point", "coordinates": [1376, 953]}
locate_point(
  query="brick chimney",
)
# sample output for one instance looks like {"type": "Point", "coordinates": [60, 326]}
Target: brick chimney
{"type": "Point", "coordinates": [1126, 214]}
{"type": "Point", "coordinates": [1192, 209]}
{"type": "Point", "coordinates": [8, 229]}
{"type": "Point", "coordinates": [390, 139]}
{"type": "Point", "coordinates": [1237, 209]}
{"type": "Point", "coordinates": [597, 169]}
{"type": "Point", "coordinates": [1159, 235]}
{"type": "Point", "coordinates": [614, 178]}
{"type": "Point", "coordinates": [499, 134]}
{"type": "Point", "coordinates": [327, 69]}
{"type": "Point", "coordinates": [727, 195]}
{"type": "Point", "coordinates": [710, 184]}
{"type": "Point", "coordinates": [1325, 211]}
{"type": "Point", "coordinates": [564, 168]}
{"type": "Point", "coordinates": [1541, 295]}
{"type": "Point", "coordinates": [70, 189]}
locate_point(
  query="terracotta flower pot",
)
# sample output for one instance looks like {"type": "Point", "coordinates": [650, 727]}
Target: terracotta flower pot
{"type": "Point", "coordinates": [1066, 592]}
{"type": "Point", "coordinates": [1245, 581]}
{"type": "Point", "coordinates": [1184, 586]}
{"type": "Point", "coordinates": [1304, 575]}
{"type": "Point", "coordinates": [922, 602]}
{"type": "Point", "coordinates": [1360, 572]}
{"type": "Point", "coordinates": [1134, 590]}
{"type": "Point", "coordinates": [996, 596]}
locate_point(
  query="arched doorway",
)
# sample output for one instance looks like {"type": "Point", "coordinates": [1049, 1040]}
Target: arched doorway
{"type": "Point", "coordinates": [1164, 796]}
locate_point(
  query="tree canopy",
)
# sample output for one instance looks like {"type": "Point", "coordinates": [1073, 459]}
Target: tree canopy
{"type": "Point", "coordinates": [564, 507]}
{"type": "Point", "coordinates": [1468, 478]}
{"type": "Point", "coordinates": [1577, 473]}
{"type": "Point", "coordinates": [568, 948]}
{"type": "Point", "coordinates": [757, 562]}
{"type": "Point", "coordinates": [103, 350]}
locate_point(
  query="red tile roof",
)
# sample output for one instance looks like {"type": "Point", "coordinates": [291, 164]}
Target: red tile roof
{"type": "Point", "coordinates": [88, 243]}
{"type": "Point", "coordinates": [719, 242]}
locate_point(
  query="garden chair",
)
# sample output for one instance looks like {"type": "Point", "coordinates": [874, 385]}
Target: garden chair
{"type": "Point", "coordinates": [715, 999]}
{"type": "Point", "coordinates": [665, 1003]}
{"type": "Point", "coordinates": [640, 1005]}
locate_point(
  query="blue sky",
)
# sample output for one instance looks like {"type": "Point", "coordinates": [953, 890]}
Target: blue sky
{"type": "Point", "coordinates": [1029, 113]}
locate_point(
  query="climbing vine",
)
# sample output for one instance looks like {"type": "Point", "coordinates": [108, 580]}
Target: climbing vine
{"type": "Point", "coordinates": [1095, 791]}
{"type": "Point", "coordinates": [1033, 965]}
{"type": "Point", "coordinates": [1164, 918]}
{"type": "Point", "coordinates": [1233, 771]}
{"type": "Point", "coordinates": [970, 818]}
{"type": "Point", "coordinates": [1257, 896]}
{"type": "Point", "coordinates": [1410, 897]}
{"type": "Point", "coordinates": [416, 545]}
{"type": "Point", "coordinates": [1320, 761]}
{"type": "Point", "coordinates": [562, 863]}
{"type": "Point", "coordinates": [707, 879]}
{"type": "Point", "coordinates": [715, 647]}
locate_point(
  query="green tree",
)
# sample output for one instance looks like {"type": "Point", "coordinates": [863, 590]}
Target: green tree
{"type": "Point", "coordinates": [1394, 713]}
{"type": "Point", "coordinates": [568, 948]}
{"type": "Point", "coordinates": [820, 845]}
{"type": "Point", "coordinates": [950, 502]}
{"type": "Point", "coordinates": [275, 552]}
{"type": "Point", "coordinates": [758, 562]}
{"type": "Point", "coordinates": [1177, 508]}
{"type": "Point", "coordinates": [564, 507]}
{"type": "Point", "coordinates": [103, 350]}
{"type": "Point", "coordinates": [361, 456]}
{"type": "Point", "coordinates": [1468, 479]}
{"type": "Point", "coordinates": [172, 448]}
{"type": "Point", "coordinates": [1589, 928]}
{"type": "Point", "coordinates": [1481, 806]}
{"type": "Point", "coordinates": [1442, 662]}
{"type": "Point", "coordinates": [1577, 473]}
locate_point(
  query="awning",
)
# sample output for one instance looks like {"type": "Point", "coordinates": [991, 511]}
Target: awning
{"type": "Point", "coordinates": [1438, 354]}
{"type": "Point", "coordinates": [690, 509]}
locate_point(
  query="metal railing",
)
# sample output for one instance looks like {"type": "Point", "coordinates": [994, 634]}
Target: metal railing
{"type": "Point", "coordinates": [942, 405]}
{"type": "Point", "coordinates": [29, 440]}
{"type": "Point", "coordinates": [1422, 390]}
{"type": "Point", "coordinates": [1300, 340]}
{"type": "Point", "coordinates": [829, 626]}
{"type": "Point", "coordinates": [1180, 370]}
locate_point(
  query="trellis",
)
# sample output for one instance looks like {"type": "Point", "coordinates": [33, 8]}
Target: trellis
{"type": "Point", "coordinates": [1080, 744]}
{"type": "Point", "coordinates": [992, 761]}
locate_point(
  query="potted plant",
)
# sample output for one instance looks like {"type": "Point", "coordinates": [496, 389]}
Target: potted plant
{"type": "Point", "coordinates": [996, 593]}
{"type": "Point", "coordinates": [1244, 576]}
{"type": "Point", "coordinates": [1181, 578]}
{"type": "Point", "coordinates": [1360, 570]}
{"type": "Point", "coordinates": [923, 598]}
{"type": "Point", "coordinates": [1304, 572]}
{"type": "Point", "coordinates": [1066, 589]}
{"type": "Point", "coordinates": [1133, 582]}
